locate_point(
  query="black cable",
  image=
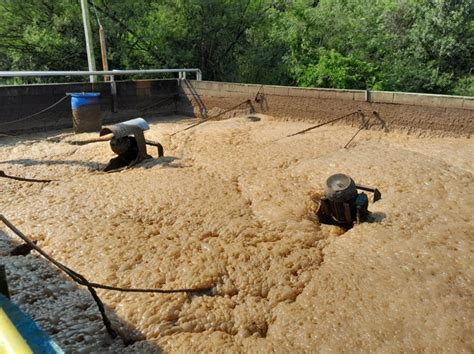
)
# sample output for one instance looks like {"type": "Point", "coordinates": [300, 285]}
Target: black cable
{"type": "Point", "coordinates": [2, 174]}
{"type": "Point", "coordinates": [154, 104]}
{"type": "Point", "coordinates": [35, 114]}
{"type": "Point", "coordinates": [321, 124]}
{"type": "Point", "coordinates": [360, 128]}
{"type": "Point", "coordinates": [213, 117]}
{"type": "Point", "coordinates": [148, 290]}
{"type": "Point", "coordinates": [75, 276]}
{"type": "Point", "coordinates": [78, 278]}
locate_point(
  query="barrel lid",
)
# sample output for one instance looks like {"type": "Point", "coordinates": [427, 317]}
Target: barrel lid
{"type": "Point", "coordinates": [84, 94]}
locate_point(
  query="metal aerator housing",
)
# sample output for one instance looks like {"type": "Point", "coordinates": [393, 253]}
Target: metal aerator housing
{"type": "Point", "coordinates": [342, 204]}
{"type": "Point", "coordinates": [128, 142]}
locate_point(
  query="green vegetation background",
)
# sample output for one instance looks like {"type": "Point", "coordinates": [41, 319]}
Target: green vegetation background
{"type": "Point", "coordinates": [395, 45]}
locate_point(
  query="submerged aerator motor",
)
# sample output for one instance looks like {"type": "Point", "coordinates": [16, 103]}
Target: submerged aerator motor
{"type": "Point", "coordinates": [342, 204]}
{"type": "Point", "coordinates": [128, 142]}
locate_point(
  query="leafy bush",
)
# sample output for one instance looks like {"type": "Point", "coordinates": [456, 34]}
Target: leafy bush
{"type": "Point", "coordinates": [337, 71]}
{"type": "Point", "coordinates": [465, 86]}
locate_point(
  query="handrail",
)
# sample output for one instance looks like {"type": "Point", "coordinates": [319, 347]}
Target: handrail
{"type": "Point", "coordinates": [182, 73]}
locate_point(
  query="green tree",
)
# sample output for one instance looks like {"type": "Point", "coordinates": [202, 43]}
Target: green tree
{"type": "Point", "coordinates": [41, 35]}
{"type": "Point", "coordinates": [402, 45]}
{"type": "Point", "coordinates": [405, 45]}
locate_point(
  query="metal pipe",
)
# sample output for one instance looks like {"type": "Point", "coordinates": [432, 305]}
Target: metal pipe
{"type": "Point", "coordinates": [101, 73]}
{"type": "Point", "coordinates": [89, 40]}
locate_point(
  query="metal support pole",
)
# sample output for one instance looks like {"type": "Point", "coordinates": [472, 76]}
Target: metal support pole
{"type": "Point", "coordinates": [88, 35]}
{"type": "Point", "coordinates": [368, 96]}
{"type": "Point", "coordinates": [3, 282]}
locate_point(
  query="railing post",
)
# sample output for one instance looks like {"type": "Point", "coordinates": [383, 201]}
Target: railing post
{"type": "Point", "coordinates": [368, 95]}
{"type": "Point", "coordinates": [198, 75]}
{"type": "Point", "coordinates": [113, 92]}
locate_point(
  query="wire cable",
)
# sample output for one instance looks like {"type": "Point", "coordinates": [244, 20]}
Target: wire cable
{"type": "Point", "coordinates": [3, 174]}
{"type": "Point", "coordinates": [213, 117]}
{"type": "Point", "coordinates": [35, 114]}
{"type": "Point", "coordinates": [364, 124]}
{"type": "Point", "coordinates": [78, 278]}
{"type": "Point", "coordinates": [321, 124]}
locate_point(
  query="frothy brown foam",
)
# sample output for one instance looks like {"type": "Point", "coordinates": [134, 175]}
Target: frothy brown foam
{"type": "Point", "coordinates": [231, 206]}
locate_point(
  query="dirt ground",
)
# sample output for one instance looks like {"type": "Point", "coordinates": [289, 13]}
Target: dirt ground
{"type": "Point", "coordinates": [230, 207]}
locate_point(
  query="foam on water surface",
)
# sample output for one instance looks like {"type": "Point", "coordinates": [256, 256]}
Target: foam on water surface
{"type": "Point", "coordinates": [230, 207]}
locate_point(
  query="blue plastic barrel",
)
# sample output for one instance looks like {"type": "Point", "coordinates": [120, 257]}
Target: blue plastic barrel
{"type": "Point", "coordinates": [86, 113]}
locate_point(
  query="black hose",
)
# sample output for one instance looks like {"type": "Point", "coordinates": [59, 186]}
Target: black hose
{"type": "Point", "coordinates": [35, 114]}
{"type": "Point", "coordinates": [78, 278]}
{"type": "Point", "coordinates": [2, 174]}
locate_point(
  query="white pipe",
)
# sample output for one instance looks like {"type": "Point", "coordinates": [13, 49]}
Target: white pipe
{"type": "Point", "coordinates": [87, 73]}
{"type": "Point", "coordinates": [89, 41]}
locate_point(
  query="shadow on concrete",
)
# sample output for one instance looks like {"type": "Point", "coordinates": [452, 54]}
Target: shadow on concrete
{"type": "Point", "coordinates": [261, 100]}
{"type": "Point", "coordinates": [190, 99]}
{"type": "Point", "coordinates": [63, 309]}
{"type": "Point", "coordinates": [197, 98]}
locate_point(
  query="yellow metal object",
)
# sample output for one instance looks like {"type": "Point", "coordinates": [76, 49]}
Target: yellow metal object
{"type": "Point", "coordinates": [11, 341]}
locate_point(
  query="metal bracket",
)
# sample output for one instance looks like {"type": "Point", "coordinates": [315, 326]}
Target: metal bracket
{"type": "Point", "coordinates": [377, 195]}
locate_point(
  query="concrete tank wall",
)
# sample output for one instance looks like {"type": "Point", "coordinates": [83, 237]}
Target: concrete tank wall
{"type": "Point", "coordinates": [412, 112]}
{"type": "Point", "coordinates": [134, 98]}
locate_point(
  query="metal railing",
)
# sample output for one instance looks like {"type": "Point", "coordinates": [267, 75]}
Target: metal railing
{"type": "Point", "coordinates": [109, 76]}
{"type": "Point", "coordinates": [111, 73]}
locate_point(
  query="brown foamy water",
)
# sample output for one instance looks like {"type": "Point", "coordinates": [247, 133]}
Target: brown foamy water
{"type": "Point", "coordinates": [229, 207]}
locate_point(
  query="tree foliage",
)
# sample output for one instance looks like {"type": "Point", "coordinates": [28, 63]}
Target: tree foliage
{"type": "Point", "coordinates": [405, 45]}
